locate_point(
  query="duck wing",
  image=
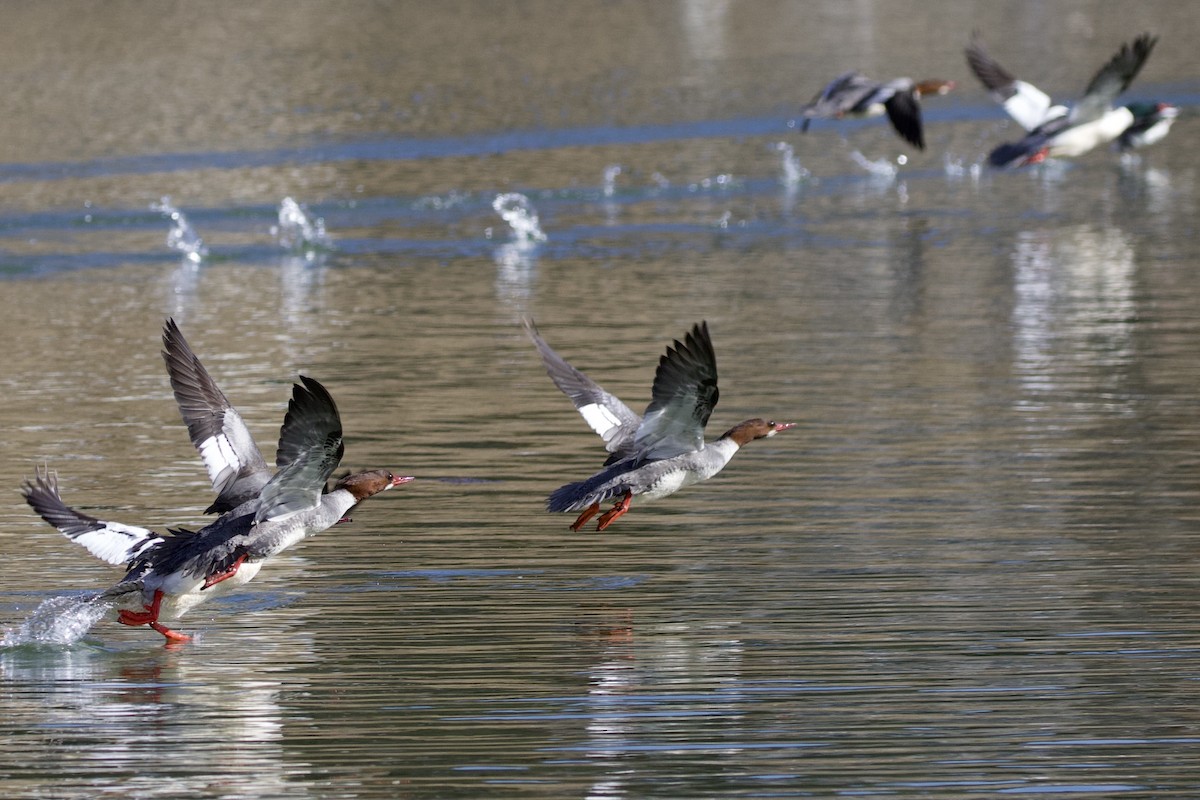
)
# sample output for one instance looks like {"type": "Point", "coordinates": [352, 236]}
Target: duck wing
{"type": "Point", "coordinates": [604, 413]}
{"type": "Point", "coordinates": [1113, 78]}
{"type": "Point", "coordinates": [111, 542]}
{"type": "Point", "coordinates": [904, 112]}
{"type": "Point", "coordinates": [683, 398]}
{"type": "Point", "coordinates": [308, 453]}
{"type": "Point", "coordinates": [234, 463]}
{"type": "Point", "coordinates": [1028, 105]}
{"type": "Point", "coordinates": [841, 95]}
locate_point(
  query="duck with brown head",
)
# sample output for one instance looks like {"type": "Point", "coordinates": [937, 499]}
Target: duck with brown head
{"type": "Point", "coordinates": [660, 452]}
{"type": "Point", "coordinates": [166, 575]}
{"type": "Point", "coordinates": [855, 95]}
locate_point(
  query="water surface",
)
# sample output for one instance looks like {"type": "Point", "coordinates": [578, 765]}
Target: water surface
{"type": "Point", "coordinates": [968, 572]}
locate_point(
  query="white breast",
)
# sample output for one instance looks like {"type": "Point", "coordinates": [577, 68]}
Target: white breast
{"type": "Point", "coordinates": [181, 594]}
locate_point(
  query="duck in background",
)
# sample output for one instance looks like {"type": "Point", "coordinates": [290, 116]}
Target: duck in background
{"type": "Point", "coordinates": [854, 94]}
{"type": "Point", "coordinates": [660, 452]}
{"type": "Point", "coordinates": [1055, 130]}
{"type": "Point", "coordinates": [1151, 124]}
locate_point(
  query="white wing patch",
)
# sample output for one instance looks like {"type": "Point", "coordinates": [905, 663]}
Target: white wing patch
{"type": "Point", "coordinates": [1030, 106]}
{"type": "Point", "coordinates": [116, 543]}
{"type": "Point", "coordinates": [220, 459]}
{"type": "Point", "coordinates": [601, 420]}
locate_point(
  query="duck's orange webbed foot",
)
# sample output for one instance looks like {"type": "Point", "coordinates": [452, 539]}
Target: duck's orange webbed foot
{"type": "Point", "coordinates": [617, 510]}
{"type": "Point", "coordinates": [223, 575]}
{"type": "Point", "coordinates": [172, 636]}
{"type": "Point", "coordinates": [587, 514]}
{"type": "Point", "coordinates": [142, 617]}
{"type": "Point", "coordinates": [150, 617]}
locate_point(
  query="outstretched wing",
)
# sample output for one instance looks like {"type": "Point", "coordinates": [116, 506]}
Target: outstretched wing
{"type": "Point", "coordinates": [111, 542]}
{"type": "Point", "coordinates": [614, 421]}
{"type": "Point", "coordinates": [310, 448]}
{"type": "Point", "coordinates": [1113, 78]}
{"type": "Point", "coordinates": [842, 94]}
{"type": "Point", "coordinates": [1028, 105]}
{"type": "Point", "coordinates": [904, 112]}
{"type": "Point", "coordinates": [235, 465]}
{"type": "Point", "coordinates": [684, 396]}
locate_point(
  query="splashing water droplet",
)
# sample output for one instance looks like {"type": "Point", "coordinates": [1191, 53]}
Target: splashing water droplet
{"type": "Point", "coordinates": [58, 620]}
{"type": "Point", "coordinates": [515, 209]}
{"type": "Point", "coordinates": [182, 236]}
{"type": "Point", "coordinates": [298, 230]}
{"type": "Point", "coordinates": [881, 168]}
{"type": "Point", "coordinates": [793, 171]}
{"type": "Point", "coordinates": [610, 179]}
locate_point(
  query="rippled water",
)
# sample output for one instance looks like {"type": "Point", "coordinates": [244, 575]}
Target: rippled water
{"type": "Point", "coordinates": [967, 572]}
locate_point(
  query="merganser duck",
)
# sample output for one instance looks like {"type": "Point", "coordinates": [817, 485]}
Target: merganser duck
{"type": "Point", "coordinates": [855, 94]}
{"type": "Point", "coordinates": [168, 575]}
{"type": "Point", "coordinates": [1053, 129]}
{"type": "Point", "coordinates": [1151, 124]}
{"type": "Point", "coordinates": [661, 452]}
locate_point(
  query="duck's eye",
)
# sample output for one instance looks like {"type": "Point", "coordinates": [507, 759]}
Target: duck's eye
{"type": "Point", "coordinates": [771, 423]}
{"type": "Point", "coordinates": [390, 477]}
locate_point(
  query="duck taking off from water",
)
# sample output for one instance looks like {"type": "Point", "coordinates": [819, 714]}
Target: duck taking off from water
{"type": "Point", "coordinates": [660, 452]}
{"type": "Point", "coordinates": [166, 575]}
{"type": "Point", "coordinates": [1057, 131]}
{"type": "Point", "coordinates": [854, 94]}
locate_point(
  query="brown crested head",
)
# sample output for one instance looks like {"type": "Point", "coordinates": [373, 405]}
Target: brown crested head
{"type": "Point", "coordinates": [369, 483]}
{"type": "Point", "coordinates": [756, 428]}
{"type": "Point", "coordinates": [932, 86]}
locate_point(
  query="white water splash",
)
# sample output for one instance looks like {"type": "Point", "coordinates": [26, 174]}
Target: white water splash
{"type": "Point", "coordinates": [958, 168]}
{"type": "Point", "coordinates": [610, 179]}
{"type": "Point", "coordinates": [522, 218]}
{"type": "Point", "coordinates": [182, 236]}
{"type": "Point", "coordinates": [793, 171]}
{"type": "Point", "coordinates": [57, 621]}
{"type": "Point", "coordinates": [722, 181]}
{"type": "Point", "coordinates": [881, 168]}
{"type": "Point", "coordinates": [298, 230]}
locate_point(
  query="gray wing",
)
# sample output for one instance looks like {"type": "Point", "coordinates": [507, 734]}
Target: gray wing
{"type": "Point", "coordinates": [842, 94]}
{"type": "Point", "coordinates": [995, 78]}
{"type": "Point", "coordinates": [1113, 78]}
{"type": "Point", "coordinates": [614, 421]}
{"type": "Point", "coordinates": [111, 542]}
{"type": "Point", "coordinates": [234, 463]}
{"type": "Point", "coordinates": [308, 453]}
{"type": "Point", "coordinates": [684, 396]}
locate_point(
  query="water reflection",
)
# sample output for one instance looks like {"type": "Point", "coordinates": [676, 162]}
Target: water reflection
{"type": "Point", "coordinates": [1074, 310]}
{"type": "Point", "coordinates": [156, 721]}
{"type": "Point", "coordinates": [973, 574]}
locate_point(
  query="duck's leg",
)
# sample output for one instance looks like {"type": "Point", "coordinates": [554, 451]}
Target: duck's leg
{"type": "Point", "coordinates": [150, 617]}
{"type": "Point", "coordinates": [587, 514]}
{"type": "Point", "coordinates": [142, 617]}
{"type": "Point", "coordinates": [617, 510]}
{"type": "Point", "coordinates": [224, 574]}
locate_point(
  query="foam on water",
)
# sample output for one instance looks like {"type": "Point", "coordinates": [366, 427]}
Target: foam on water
{"type": "Point", "coordinates": [300, 231]}
{"type": "Point", "coordinates": [182, 236]}
{"type": "Point", "coordinates": [58, 621]}
{"type": "Point", "coordinates": [515, 209]}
